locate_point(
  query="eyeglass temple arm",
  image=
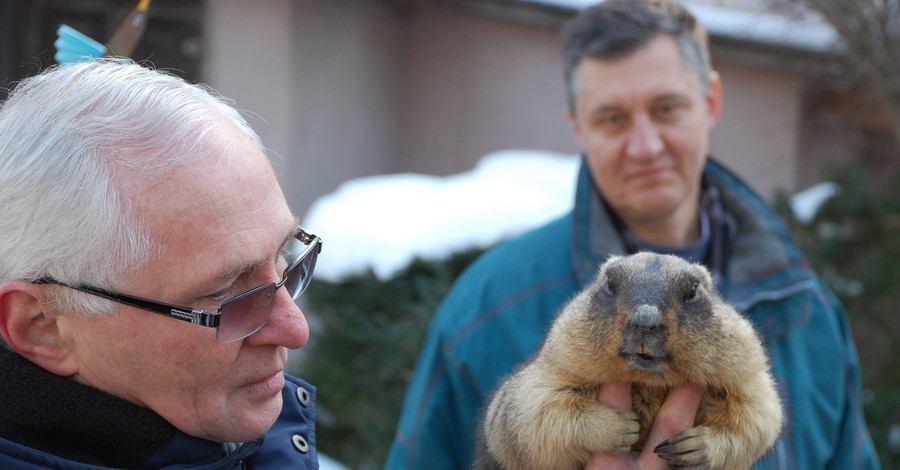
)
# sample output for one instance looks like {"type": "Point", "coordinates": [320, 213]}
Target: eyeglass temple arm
{"type": "Point", "coordinates": [197, 317]}
{"type": "Point", "coordinates": [308, 237]}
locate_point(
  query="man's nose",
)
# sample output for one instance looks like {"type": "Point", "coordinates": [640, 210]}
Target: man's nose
{"type": "Point", "coordinates": [644, 140]}
{"type": "Point", "coordinates": [287, 324]}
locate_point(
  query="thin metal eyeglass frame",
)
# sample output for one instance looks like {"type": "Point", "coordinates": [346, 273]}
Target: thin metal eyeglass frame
{"type": "Point", "coordinates": [204, 317]}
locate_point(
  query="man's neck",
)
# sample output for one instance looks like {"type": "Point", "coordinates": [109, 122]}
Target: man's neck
{"type": "Point", "coordinates": [677, 229]}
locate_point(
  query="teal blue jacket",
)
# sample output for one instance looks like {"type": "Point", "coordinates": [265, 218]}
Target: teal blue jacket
{"type": "Point", "coordinates": [496, 315]}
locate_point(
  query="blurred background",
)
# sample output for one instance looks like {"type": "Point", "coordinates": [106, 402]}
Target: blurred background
{"type": "Point", "coordinates": [343, 90]}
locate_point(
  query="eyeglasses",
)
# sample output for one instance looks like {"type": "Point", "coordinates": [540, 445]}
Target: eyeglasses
{"type": "Point", "coordinates": [243, 314]}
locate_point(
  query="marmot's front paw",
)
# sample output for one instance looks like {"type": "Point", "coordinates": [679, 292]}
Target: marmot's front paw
{"type": "Point", "coordinates": [629, 432]}
{"type": "Point", "coordinates": [686, 450]}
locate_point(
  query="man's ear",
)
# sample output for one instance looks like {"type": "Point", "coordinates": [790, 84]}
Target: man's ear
{"type": "Point", "coordinates": [576, 128]}
{"type": "Point", "coordinates": [714, 99]}
{"type": "Point", "coordinates": [31, 327]}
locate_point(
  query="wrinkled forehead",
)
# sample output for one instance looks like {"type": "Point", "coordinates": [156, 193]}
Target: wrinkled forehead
{"type": "Point", "coordinates": [231, 179]}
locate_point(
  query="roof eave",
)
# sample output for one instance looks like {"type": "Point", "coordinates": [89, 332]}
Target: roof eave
{"type": "Point", "coordinates": [757, 27]}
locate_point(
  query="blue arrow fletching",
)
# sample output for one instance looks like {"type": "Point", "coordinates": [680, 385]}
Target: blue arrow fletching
{"type": "Point", "coordinates": [73, 46]}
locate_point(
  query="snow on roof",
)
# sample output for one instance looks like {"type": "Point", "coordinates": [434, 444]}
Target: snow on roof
{"type": "Point", "coordinates": [747, 25]}
{"type": "Point", "coordinates": [383, 222]}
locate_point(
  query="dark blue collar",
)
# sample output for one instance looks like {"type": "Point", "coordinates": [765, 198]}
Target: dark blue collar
{"type": "Point", "coordinates": [74, 421]}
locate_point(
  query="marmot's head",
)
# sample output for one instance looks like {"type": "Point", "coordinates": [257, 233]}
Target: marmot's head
{"type": "Point", "coordinates": [647, 318]}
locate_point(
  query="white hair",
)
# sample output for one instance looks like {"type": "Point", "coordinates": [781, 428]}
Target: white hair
{"type": "Point", "coordinates": [64, 136]}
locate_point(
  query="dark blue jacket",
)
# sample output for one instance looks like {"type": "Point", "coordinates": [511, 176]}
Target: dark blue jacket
{"type": "Point", "coordinates": [500, 309]}
{"type": "Point", "coordinates": [41, 415]}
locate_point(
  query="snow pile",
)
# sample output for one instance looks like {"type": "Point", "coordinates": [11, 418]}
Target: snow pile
{"type": "Point", "coordinates": [805, 204]}
{"type": "Point", "coordinates": [383, 222]}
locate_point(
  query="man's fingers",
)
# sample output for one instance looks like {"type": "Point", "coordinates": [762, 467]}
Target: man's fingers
{"type": "Point", "coordinates": [616, 395]}
{"type": "Point", "coordinates": [677, 413]}
{"type": "Point", "coordinates": [612, 462]}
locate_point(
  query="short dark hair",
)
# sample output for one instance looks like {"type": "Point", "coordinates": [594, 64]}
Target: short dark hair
{"type": "Point", "coordinates": [616, 28]}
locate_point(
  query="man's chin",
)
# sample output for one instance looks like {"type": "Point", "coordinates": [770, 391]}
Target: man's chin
{"type": "Point", "coordinates": [654, 208]}
{"type": "Point", "coordinates": [252, 422]}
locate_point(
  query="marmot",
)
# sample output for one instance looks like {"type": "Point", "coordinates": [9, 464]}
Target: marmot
{"type": "Point", "coordinates": [654, 321]}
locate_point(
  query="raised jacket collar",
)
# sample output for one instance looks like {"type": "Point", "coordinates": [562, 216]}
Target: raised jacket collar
{"type": "Point", "coordinates": [68, 419]}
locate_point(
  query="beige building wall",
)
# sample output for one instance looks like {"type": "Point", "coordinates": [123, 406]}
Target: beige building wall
{"type": "Point", "coordinates": [247, 57]}
{"type": "Point", "coordinates": [475, 86]}
{"type": "Point", "coordinates": [348, 88]}
{"type": "Point", "coordinates": [322, 81]}
{"type": "Point", "coordinates": [758, 134]}
{"type": "Point", "coordinates": [348, 84]}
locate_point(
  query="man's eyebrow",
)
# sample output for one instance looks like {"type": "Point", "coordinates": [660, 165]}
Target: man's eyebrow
{"type": "Point", "coordinates": [295, 229]}
{"type": "Point", "coordinates": [236, 271]}
{"type": "Point", "coordinates": [671, 96]}
{"type": "Point", "coordinates": [605, 109]}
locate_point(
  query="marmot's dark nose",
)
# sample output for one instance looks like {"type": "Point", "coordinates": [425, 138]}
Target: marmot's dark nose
{"type": "Point", "coordinates": [646, 316]}
{"type": "Point", "coordinates": [644, 338]}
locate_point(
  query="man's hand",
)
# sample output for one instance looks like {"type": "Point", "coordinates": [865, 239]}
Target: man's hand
{"type": "Point", "coordinates": [676, 414]}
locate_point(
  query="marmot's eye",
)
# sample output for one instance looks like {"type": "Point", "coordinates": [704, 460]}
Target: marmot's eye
{"type": "Point", "coordinates": [691, 294]}
{"type": "Point", "coordinates": [609, 286]}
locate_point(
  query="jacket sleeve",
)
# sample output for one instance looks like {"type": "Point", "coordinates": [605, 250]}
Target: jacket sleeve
{"type": "Point", "coordinates": [440, 409]}
{"type": "Point", "coordinates": [853, 447]}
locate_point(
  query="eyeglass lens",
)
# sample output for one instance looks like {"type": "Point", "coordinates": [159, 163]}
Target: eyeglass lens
{"type": "Point", "coordinates": [247, 313]}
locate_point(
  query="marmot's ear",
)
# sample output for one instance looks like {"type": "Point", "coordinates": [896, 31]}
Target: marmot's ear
{"type": "Point", "coordinates": [610, 260]}
{"type": "Point", "coordinates": [705, 277]}
{"type": "Point", "coordinates": [30, 326]}
{"type": "Point", "coordinates": [601, 270]}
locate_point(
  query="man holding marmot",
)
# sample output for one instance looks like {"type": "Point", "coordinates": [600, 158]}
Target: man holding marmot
{"type": "Point", "coordinates": [642, 101]}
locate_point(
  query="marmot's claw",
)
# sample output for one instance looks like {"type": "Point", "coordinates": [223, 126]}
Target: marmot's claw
{"type": "Point", "coordinates": [663, 448]}
{"type": "Point", "coordinates": [685, 450]}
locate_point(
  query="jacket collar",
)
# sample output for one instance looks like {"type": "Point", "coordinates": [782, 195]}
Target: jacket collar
{"type": "Point", "coordinates": [765, 263]}
{"type": "Point", "coordinates": [59, 416]}
{"type": "Point", "coordinates": [594, 234]}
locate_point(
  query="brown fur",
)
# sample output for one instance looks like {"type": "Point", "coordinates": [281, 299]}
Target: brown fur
{"type": "Point", "coordinates": [654, 321]}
